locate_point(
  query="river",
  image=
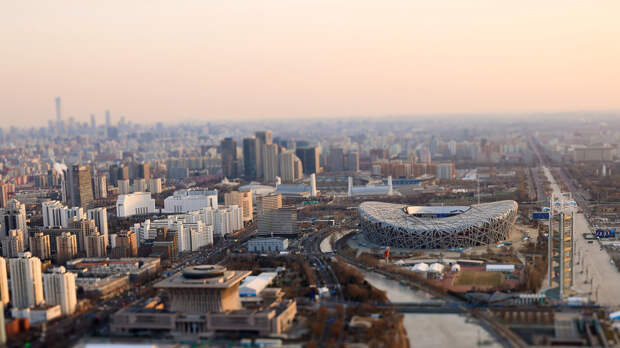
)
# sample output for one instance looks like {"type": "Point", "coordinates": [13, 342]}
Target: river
{"type": "Point", "coordinates": [432, 330]}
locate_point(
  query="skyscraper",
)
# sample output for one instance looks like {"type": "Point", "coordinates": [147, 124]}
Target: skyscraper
{"type": "Point", "coordinates": [66, 247]}
{"type": "Point", "coordinates": [26, 281]}
{"type": "Point", "coordinates": [59, 288]}
{"type": "Point", "coordinates": [290, 167]}
{"type": "Point", "coordinates": [270, 162]}
{"type": "Point", "coordinates": [93, 124]}
{"type": "Point", "coordinates": [40, 246]}
{"type": "Point", "coordinates": [228, 148]}
{"type": "Point", "coordinates": [262, 138]}
{"type": "Point", "coordinates": [80, 190]}
{"type": "Point", "coordinates": [100, 216]}
{"type": "Point", "coordinates": [126, 244]}
{"type": "Point", "coordinates": [4, 283]}
{"type": "Point", "coordinates": [309, 157]}
{"type": "Point", "coordinates": [95, 245]}
{"type": "Point", "coordinates": [4, 194]}
{"type": "Point", "coordinates": [107, 124]}
{"type": "Point", "coordinates": [250, 158]}
{"type": "Point", "coordinates": [13, 217]}
{"type": "Point", "coordinates": [101, 186]}
{"type": "Point", "coordinates": [144, 170]}
{"type": "Point", "coordinates": [335, 159]}
{"type": "Point", "coordinates": [13, 244]}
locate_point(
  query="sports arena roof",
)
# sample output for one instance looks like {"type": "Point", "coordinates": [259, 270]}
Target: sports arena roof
{"type": "Point", "coordinates": [459, 217]}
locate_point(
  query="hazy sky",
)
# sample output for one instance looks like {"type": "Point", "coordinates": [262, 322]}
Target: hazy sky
{"type": "Point", "coordinates": [172, 60]}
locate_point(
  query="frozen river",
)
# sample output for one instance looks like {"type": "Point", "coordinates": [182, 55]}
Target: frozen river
{"type": "Point", "coordinates": [432, 330]}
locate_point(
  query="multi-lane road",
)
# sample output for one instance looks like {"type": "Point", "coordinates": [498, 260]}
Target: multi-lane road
{"type": "Point", "coordinates": [595, 275]}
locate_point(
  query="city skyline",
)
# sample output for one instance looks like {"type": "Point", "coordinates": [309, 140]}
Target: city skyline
{"type": "Point", "coordinates": [212, 62]}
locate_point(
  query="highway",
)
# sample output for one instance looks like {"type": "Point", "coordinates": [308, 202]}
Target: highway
{"type": "Point", "coordinates": [595, 276]}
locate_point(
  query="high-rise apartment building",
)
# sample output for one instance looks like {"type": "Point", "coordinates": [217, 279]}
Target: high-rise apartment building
{"type": "Point", "coordinates": [144, 171]}
{"type": "Point", "coordinates": [40, 246]}
{"type": "Point", "coordinates": [309, 157]}
{"type": "Point", "coordinates": [100, 217]}
{"type": "Point", "coordinates": [139, 185]}
{"type": "Point", "coordinates": [228, 148]}
{"type": "Point", "coordinates": [291, 169]}
{"type": "Point", "coordinates": [250, 158]}
{"type": "Point", "coordinates": [66, 247]}
{"type": "Point", "coordinates": [13, 217]}
{"type": "Point", "coordinates": [95, 245]}
{"type": "Point", "coordinates": [101, 186]}
{"type": "Point", "coordinates": [126, 245]}
{"type": "Point", "coordinates": [56, 214]}
{"type": "Point", "coordinates": [123, 187]}
{"type": "Point", "coordinates": [26, 281]}
{"type": "Point", "coordinates": [59, 289]}
{"type": "Point", "coordinates": [4, 283]}
{"type": "Point", "coordinates": [4, 195]}
{"type": "Point", "coordinates": [270, 162]}
{"type": "Point", "coordinates": [241, 199]}
{"type": "Point", "coordinates": [79, 187]}
{"type": "Point", "coordinates": [13, 245]}
{"type": "Point", "coordinates": [155, 185]}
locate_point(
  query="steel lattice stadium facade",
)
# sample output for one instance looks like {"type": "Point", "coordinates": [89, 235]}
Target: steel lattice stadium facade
{"type": "Point", "coordinates": [436, 227]}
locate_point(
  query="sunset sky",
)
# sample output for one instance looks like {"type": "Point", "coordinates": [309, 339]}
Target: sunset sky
{"type": "Point", "coordinates": [213, 60]}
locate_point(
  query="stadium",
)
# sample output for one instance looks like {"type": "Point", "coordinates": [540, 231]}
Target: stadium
{"type": "Point", "coordinates": [436, 227]}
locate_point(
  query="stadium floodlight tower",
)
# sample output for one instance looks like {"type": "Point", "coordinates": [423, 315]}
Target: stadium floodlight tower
{"type": "Point", "coordinates": [560, 243]}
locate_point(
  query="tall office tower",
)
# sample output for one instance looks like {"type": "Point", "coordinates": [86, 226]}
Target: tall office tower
{"type": "Point", "coordinates": [262, 138]}
{"type": "Point", "coordinates": [123, 187]}
{"type": "Point", "coordinates": [250, 158]}
{"type": "Point", "coordinates": [40, 246]}
{"type": "Point", "coordinates": [241, 199]}
{"type": "Point", "coordinates": [118, 173]}
{"type": "Point", "coordinates": [59, 288]}
{"type": "Point", "coordinates": [335, 159]}
{"type": "Point", "coordinates": [95, 245]}
{"type": "Point", "coordinates": [13, 217]}
{"type": "Point", "coordinates": [228, 148]}
{"type": "Point", "coordinates": [4, 195]}
{"type": "Point", "coordinates": [144, 171]}
{"type": "Point", "coordinates": [309, 157]}
{"type": "Point", "coordinates": [139, 185]}
{"type": "Point", "coordinates": [80, 187]}
{"type": "Point", "coordinates": [269, 202]}
{"type": "Point", "coordinates": [13, 244]}
{"type": "Point", "coordinates": [101, 186]}
{"type": "Point", "coordinates": [66, 247]}
{"type": "Point", "coordinates": [26, 281]}
{"type": "Point", "coordinates": [100, 217]}
{"type": "Point", "coordinates": [107, 123]}
{"type": "Point", "coordinates": [352, 162]}
{"type": "Point", "coordinates": [560, 249]}
{"type": "Point", "coordinates": [270, 162]}
{"type": "Point", "coordinates": [93, 124]}
{"type": "Point", "coordinates": [126, 244]}
{"type": "Point", "coordinates": [155, 185]}
{"type": "Point", "coordinates": [4, 284]}
{"type": "Point", "coordinates": [290, 167]}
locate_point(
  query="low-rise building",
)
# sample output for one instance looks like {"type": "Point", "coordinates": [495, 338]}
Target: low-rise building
{"type": "Point", "coordinates": [268, 244]}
